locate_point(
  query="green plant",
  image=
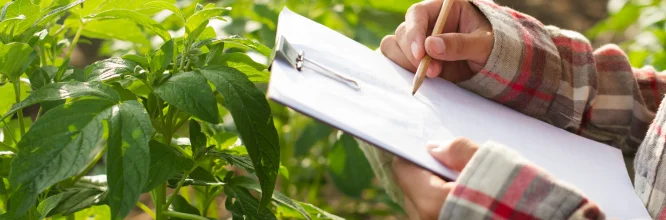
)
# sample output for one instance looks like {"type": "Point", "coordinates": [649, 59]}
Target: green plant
{"type": "Point", "coordinates": [641, 25]}
{"type": "Point", "coordinates": [153, 119]}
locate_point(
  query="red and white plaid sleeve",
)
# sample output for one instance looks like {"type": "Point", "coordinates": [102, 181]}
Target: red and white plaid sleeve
{"type": "Point", "coordinates": [554, 75]}
{"type": "Point", "coordinates": [499, 184]}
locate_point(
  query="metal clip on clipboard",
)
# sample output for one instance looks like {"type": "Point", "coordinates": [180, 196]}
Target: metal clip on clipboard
{"type": "Point", "coordinates": [285, 52]}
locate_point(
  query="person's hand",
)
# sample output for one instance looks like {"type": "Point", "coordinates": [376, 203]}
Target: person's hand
{"type": "Point", "coordinates": [457, 54]}
{"type": "Point", "coordinates": [424, 193]}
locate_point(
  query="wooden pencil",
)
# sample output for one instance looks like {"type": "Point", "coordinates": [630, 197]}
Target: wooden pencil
{"type": "Point", "coordinates": [425, 62]}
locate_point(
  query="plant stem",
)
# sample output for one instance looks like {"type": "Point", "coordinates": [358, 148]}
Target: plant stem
{"type": "Point", "coordinates": [169, 126]}
{"type": "Point", "coordinates": [186, 50]}
{"type": "Point", "coordinates": [76, 40]}
{"type": "Point", "coordinates": [175, 59]}
{"type": "Point", "coordinates": [5, 147]}
{"type": "Point", "coordinates": [160, 194]}
{"type": "Point", "coordinates": [17, 93]}
{"type": "Point", "coordinates": [39, 113]}
{"type": "Point", "coordinates": [184, 216]}
{"type": "Point", "coordinates": [145, 209]}
{"type": "Point", "coordinates": [180, 184]}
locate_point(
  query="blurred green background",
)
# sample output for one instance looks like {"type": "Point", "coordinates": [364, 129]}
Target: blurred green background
{"type": "Point", "coordinates": [325, 168]}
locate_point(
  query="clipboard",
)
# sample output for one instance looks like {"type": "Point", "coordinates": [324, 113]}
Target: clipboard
{"type": "Point", "coordinates": [383, 113]}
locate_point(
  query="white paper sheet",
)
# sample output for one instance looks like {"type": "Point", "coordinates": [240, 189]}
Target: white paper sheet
{"type": "Point", "coordinates": [385, 114]}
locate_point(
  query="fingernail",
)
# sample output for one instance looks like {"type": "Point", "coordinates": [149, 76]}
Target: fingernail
{"type": "Point", "coordinates": [415, 49]}
{"type": "Point", "coordinates": [437, 45]}
{"type": "Point", "coordinates": [431, 72]}
{"type": "Point", "coordinates": [438, 146]}
{"type": "Point", "coordinates": [433, 144]}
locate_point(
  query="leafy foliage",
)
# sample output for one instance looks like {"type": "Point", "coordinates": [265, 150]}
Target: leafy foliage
{"type": "Point", "coordinates": [643, 22]}
{"type": "Point", "coordinates": [129, 114]}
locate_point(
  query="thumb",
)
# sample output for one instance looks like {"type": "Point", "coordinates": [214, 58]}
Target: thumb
{"type": "Point", "coordinates": [454, 155]}
{"type": "Point", "coordinates": [458, 46]}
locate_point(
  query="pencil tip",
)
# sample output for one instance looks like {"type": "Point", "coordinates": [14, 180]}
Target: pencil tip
{"type": "Point", "coordinates": [413, 93]}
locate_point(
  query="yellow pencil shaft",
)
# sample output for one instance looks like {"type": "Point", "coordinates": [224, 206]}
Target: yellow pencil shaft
{"type": "Point", "coordinates": [426, 60]}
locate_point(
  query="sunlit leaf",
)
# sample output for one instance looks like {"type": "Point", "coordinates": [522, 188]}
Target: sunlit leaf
{"type": "Point", "coordinates": [61, 91]}
{"type": "Point", "coordinates": [254, 71]}
{"type": "Point", "coordinates": [15, 58]}
{"type": "Point", "coordinates": [25, 8]}
{"type": "Point", "coordinates": [168, 6]}
{"type": "Point", "coordinates": [236, 40]}
{"type": "Point", "coordinates": [136, 17]}
{"type": "Point", "coordinates": [109, 68]}
{"type": "Point", "coordinates": [48, 16]}
{"type": "Point", "coordinates": [201, 17]}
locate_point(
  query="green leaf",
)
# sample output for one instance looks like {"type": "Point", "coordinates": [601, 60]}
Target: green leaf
{"type": "Point", "coordinates": [100, 212]}
{"type": "Point", "coordinates": [40, 77]}
{"type": "Point", "coordinates": [48, 204]}
{"type": "Point", "coordinates": [242, 62]}
{"type": "Point", "coordinates": [74, 130]}
{"type": "Point", "coordinates": [94, 6]}
{"type": "Point", "coordinates": [11, 131]}
{"type": "Point", "coordinates": [243, 205]}
{"type": "Point", "coordinates": [254, 122]}
{"type": "Point", "coordinates": [189, 92]}
{"type": "Point", "coordinates": [109, 69]}
{"type": "Point", "coordinates": [128, 156]}
{"type": "Point", "coordinates": [3, 12]}
{"type": "Point", "coordinates": [136, 17]}
{"type": "Point", "coordinates": [232, 158]}
{"type": "Point", "coordinates": [165, 162]}
{"type": "Point", "coordinates": [197, 139]}
{"type": "Point", "coordinates": [236, 40]}
{"type": "Point", "coordinates": [6, 158]}
{"type": "Point", "coordinates": [312, 133]}
{"type": "Point", "coordinates": [8, 96]}
{"type": "Point", "coordinates": [160, 59]}
{"type": "Point", "coordinates": [77, 198]}
{"type": "Point", "coordinates": [67, 90]}
{"type": "Point", "coordinates": [7, 27]}
{"type": "Point", "coordinates": [141, 60]}
{"type": "Point", "coordinates": [349, 168]}
{"type": "Point", "coordinates": [168, 6]}
{"type": "Point", "coordinates": [181, 205]}
{"type": "Point", "coordinates": [114, 30]}
{"type": "Point", "coordinates": [316, 211]}
{"type": "Point", "coordinates": [25, 8]}
{"type": "Point", "coordinates": [225, 140]}
{"type": "Point", "coordinates": [248, 183]}
{"type": "Point", "coordinates": [15, 58]}
{"type": "Point", "coordinates": [57, 11]}
{"type": "Point", "coordinates": [202, 17]}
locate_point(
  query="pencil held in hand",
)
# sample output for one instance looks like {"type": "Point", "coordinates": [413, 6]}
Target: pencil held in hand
{"type": "Point", "coordinates": [425, 62]}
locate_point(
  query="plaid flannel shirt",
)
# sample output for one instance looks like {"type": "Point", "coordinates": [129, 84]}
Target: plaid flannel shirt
{"type": "Point", "coordinates": [554, 75]}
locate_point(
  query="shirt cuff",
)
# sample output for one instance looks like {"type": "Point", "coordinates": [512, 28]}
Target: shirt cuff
{"type": "Point", "coordinates": [499, 183]}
